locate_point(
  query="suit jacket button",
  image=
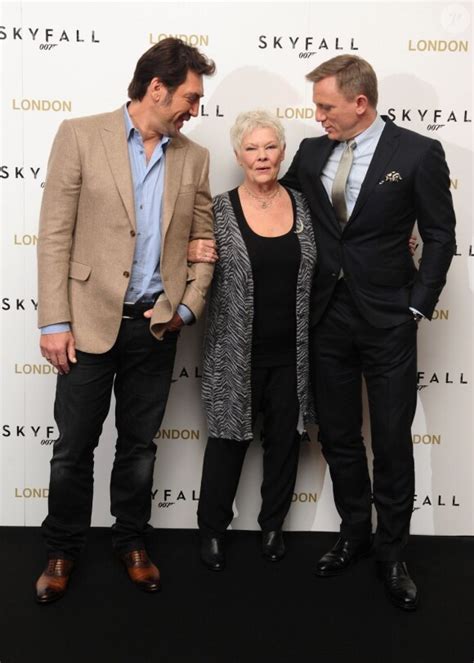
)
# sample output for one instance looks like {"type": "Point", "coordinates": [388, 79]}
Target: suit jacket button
{"type": "Point", "coordinates": [126, 274]}
{"type": "Point", "coordinates": [334, 274]}
{"type": "Point", "coordinates": [133, 233]}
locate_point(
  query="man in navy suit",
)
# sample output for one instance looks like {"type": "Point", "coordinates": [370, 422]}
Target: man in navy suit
{"type": "Point", "coordinates": [367, 182]}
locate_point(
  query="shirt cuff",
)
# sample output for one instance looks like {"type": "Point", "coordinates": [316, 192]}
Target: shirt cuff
{"type": "Point", "coordinates": [414, 310]}
{"type": "Point", "coordinates": [59, 328]}
{"type": "Point", "coordinates": [186, 315]}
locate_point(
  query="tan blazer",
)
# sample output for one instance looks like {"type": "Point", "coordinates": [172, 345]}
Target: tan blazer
{"type": "Point", "coordinates": [87, 230]}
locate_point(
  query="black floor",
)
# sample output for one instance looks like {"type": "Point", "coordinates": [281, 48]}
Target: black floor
{"type": "Point", "coordinates": [254, 611]}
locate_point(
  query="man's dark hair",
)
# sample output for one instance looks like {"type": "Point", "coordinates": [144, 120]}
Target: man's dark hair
{"type": "Point", "coordinates": [353, 75]}
{"type": "Point", "coordinates": [169, 60]}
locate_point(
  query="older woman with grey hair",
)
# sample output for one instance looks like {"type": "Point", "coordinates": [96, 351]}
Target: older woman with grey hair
{"type": "Point", "coordinates": [256, 341]}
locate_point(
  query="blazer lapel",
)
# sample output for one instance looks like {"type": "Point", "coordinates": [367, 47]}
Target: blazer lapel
{"type": "Point", "coordinates": [174, 164]}
{"type": "Point", "coordinates": [384, 151]}
{"type": "Point", "coordinates": [116, 148]}
{"type": "Point", "coordinates": [322, 155]}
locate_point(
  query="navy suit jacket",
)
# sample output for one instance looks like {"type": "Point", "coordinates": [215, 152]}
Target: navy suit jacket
{"type": "Point", "coordinates": [373, 247]}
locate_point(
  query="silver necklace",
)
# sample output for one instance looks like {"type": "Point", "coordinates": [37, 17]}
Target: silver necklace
{"type": "Point", "coordinates": [263, 202]}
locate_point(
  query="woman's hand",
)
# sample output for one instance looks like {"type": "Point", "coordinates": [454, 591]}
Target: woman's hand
{"type": "Point", "coordinates": [412, 244]}
{"type": "Point", "coordinates": [202, 250]}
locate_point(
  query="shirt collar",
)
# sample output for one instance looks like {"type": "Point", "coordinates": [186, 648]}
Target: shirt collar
{"type": "Point", "coordinates": [130, 129]}
{"type": "Point", "coordinates": [374, 131]}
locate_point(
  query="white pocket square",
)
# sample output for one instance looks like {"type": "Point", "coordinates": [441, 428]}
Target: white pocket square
{"type": "Point", "coordinates": [393, 176]}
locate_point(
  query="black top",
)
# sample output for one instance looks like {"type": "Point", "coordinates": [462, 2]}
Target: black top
{"type": "Point", "coordinates": [275, 263]}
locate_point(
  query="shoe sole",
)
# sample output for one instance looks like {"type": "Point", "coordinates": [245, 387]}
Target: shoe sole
{"type": "Point", "coordinates": [41, 601]}
{"type": "Point", "coordinates": [148, 590]}
{"type": "Point", "coordinates": [402, 606]}
{"type": "Point", "coordinates": [216, 569]}
{"type": "Point", "coordinates": [209, 567]}
{"type": "Point", "coordinates": [273, 559]}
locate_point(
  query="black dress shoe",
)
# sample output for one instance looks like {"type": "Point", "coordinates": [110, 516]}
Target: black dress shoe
{"type": "Point", "coordinates": [212, 552]}
{"type": "Point", "coordinates": [399, 586]}
{"type": "Point", "coordinates": [273, 546]}
{"type": "Point", "coordinates": [341, 556]}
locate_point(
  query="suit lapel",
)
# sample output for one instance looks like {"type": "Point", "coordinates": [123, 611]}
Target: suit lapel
{"type": "Point", "coordinates": [116, 148]}
{"type": "Point", "coordinates": [173, 170]}
{"type": "Point", "coordinates": [386, 147]}
{"type": "Point", "coordinates": [322, 155]}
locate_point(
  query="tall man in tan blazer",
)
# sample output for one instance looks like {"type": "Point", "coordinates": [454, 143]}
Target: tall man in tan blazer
{"type": "Point", "coordinates": [125, 193]}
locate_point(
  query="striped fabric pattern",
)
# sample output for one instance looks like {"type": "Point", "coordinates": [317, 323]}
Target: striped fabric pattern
{"type": "Point", "coordinates": [226, 372]}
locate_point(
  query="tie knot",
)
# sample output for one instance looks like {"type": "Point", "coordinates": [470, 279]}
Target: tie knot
{"type": "Point", "coordinates": [351, 144]}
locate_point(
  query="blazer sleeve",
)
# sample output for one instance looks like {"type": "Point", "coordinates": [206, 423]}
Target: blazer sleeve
{"type": "Point", "coordinates": [56, 226]}
{"type": "Point", "coordinates": [436, 224]}
{"type": "Point", "coordinates": [291, 179]}
{"type": "Point", "coordinates": [200, 274]}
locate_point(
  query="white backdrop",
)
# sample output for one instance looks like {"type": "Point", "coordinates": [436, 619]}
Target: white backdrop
{"type": "Point", "coordinates": [62, 60]}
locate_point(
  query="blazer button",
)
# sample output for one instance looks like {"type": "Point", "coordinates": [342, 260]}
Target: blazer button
{"type": "Point", "coordinates": [133, 233]}
{"type": "Point", "coordinates": [126, 274]}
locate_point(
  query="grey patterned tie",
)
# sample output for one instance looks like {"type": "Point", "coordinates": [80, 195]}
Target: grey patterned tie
{"type": "Point", "coordinates": [338, 192]}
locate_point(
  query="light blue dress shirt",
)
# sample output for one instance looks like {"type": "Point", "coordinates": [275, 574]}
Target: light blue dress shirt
{"type": "Point", "coordinates": [366, 143]}
{"type": "Point", "coordinates": [148, 185]}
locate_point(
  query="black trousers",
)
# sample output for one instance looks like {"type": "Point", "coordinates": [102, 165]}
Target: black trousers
{"type": "Point", "coordinates": [343, 348]}
{"type": "Point", "coordinates": [139, 368]}
{"type": "Point", "coordinates": [274, 392]}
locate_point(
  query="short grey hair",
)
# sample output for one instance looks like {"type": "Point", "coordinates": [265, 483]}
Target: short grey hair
{"type": "Point", "coordinates": [246, 122]}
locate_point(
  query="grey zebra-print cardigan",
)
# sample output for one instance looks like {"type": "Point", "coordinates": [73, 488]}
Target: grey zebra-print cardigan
{"type": "Point", "coordinates": [226, 371]}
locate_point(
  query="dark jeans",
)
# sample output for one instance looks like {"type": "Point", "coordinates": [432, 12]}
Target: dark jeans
{"type": "Point", "coordinates": [344, 347]}
{"type": "Point", "coordinates": [139, 368]}
{"type": "Point", "coordinates": [273, 392]}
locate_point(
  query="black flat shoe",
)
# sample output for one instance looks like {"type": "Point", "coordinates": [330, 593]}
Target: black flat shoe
{"type": "Point", "coordinates": [212, 552]}
{"type": "Point", "coordinates": [341, 556]}
{"type": "Point", "coordinates": [273, 546]}
{"type": "Point", "coordinates": [399, 586]}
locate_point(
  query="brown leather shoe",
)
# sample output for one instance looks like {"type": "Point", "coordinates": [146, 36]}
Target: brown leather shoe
{"type": "Point", "coordinates": [141, 570]}
{"type": "Point", "coordinates": [52, 583]}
